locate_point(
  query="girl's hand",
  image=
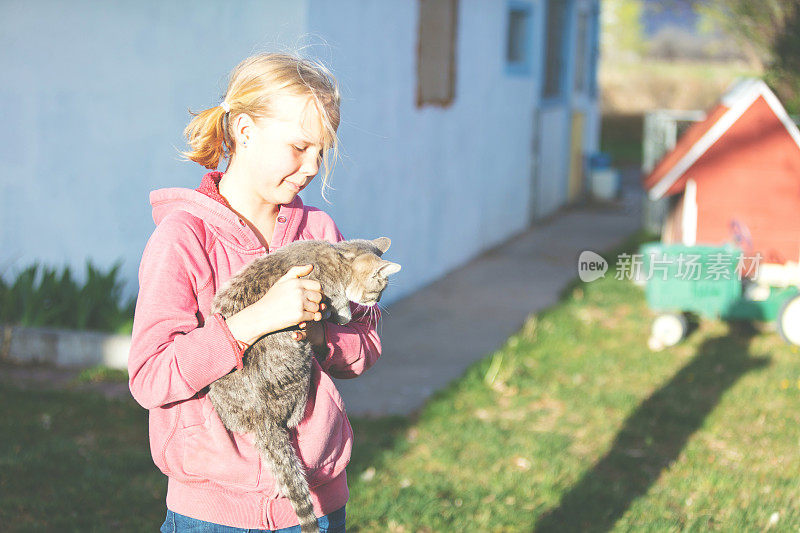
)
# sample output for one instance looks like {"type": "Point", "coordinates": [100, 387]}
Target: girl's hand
{"type": "Point", "coordinates": [290, 301]}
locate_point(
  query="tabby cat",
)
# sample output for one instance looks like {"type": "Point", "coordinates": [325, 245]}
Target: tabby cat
{"type": "Point", "coordinates": [267, 397]}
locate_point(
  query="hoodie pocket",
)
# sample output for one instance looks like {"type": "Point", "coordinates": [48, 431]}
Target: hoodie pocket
{"type": "Point", "coordinates": [324, 437]}
{"type": "Point", "coordinates": [213, 453]}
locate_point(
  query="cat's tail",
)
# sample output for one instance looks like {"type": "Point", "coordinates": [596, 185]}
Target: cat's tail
{"type": "Point", "coordinates": [275, 447]}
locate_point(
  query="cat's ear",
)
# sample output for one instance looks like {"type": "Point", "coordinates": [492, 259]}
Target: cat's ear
{"type": "Point", "coordinates": [387, 268]}
{"type": "Point", "coordinates": [382, 243]}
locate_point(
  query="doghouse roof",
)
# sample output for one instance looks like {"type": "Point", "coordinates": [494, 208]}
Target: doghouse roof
{"type": "Point", "coordinates": [666, 177]}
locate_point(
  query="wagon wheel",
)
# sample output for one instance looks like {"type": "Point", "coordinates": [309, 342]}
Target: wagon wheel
{"type": "Point", "coordinates": [668, 330]}
{"type": "Point", "coordinates": [789, 320]}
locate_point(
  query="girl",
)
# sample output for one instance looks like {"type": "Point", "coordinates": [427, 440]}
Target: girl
{"type": "Point", "coordinates": [275, 125]}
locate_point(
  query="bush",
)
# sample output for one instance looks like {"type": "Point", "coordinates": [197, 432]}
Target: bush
{"type": "Point", "coordinates": [41, 296]}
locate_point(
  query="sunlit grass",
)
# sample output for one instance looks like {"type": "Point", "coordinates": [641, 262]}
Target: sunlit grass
{"type": "Point", "coordinates": [574, 425]}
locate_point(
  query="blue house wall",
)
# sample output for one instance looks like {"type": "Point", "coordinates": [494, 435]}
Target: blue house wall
{"type": "Point", "coordinates": [96, 99]}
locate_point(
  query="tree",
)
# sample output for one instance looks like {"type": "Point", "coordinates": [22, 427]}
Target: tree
{"type": "Point", "coordinates": [623, 30]}
{"type": "Point", "coordinates": [784, 71]}
{"type": "Point", "coordinates": [770, 31]}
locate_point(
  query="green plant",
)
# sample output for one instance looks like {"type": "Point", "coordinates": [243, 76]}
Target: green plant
{"type": "Point", "coordinates": [102, 374]}
{"type": "Point", "coordinates": [42, 296]}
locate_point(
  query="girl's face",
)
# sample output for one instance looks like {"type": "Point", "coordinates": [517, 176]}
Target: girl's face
{"type": "Point", "coordinates": [283, 152]}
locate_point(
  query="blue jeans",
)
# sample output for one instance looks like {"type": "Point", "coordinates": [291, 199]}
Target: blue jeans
{"type": "Point", "coordinates": [177, 523]}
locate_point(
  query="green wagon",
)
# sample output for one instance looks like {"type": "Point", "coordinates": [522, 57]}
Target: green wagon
{"type": "Point", "coordinates": [711, 282]}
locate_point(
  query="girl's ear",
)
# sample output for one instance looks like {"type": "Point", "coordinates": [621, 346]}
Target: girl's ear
{"type": "Point", "coordinates": [242, 125]}
{"type": "Point", "coordinates": [382, 243]}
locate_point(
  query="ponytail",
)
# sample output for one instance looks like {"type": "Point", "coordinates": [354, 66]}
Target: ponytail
{"type": "Point", "coordinates": [208, 140]}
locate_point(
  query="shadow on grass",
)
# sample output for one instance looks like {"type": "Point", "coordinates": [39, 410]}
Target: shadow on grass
{"type": "Point", "coordinates": [372, 438]}
{"type": "Point", "coordinates": [654, 435]}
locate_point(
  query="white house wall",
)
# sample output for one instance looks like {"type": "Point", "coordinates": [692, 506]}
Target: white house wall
{"type": "Point", "coordinates": [94, 101]}
{"type": "Point", "coordinates": [444, 184]}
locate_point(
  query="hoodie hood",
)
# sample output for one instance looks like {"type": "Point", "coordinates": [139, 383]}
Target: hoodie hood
{"type": "Point", "coordinates": [207, 204]}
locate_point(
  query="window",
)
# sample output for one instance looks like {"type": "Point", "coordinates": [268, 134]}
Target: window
{"type": "Point", "coordinates": [518, 44]}
{"type": "Point", "coordinates": [553, 86]}
{"type": "Point", "coordinates": [436, 59]}
{"type": "Point", "coordinates": [582, 54]}
{"type": "Point", "coordinates": [594, 48]}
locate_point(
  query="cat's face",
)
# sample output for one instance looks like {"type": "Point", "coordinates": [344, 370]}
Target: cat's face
{"type": "Point", "coordinates": [370, 273]}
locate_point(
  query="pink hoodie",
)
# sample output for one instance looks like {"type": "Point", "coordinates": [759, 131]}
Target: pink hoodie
{"type": "Point", "coordinates": [179, 348]}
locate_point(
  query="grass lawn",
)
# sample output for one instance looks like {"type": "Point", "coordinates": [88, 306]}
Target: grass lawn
{"type": "Point", "coordinates": [72, 461]}
{"type": "Point", "coordinates": [637, 86]}
{"type": "Point", "coordinates": [573, 425]}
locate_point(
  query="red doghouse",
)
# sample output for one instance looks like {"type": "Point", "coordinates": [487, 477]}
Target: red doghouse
{"type": "Point", "coordinates": [735, 177]}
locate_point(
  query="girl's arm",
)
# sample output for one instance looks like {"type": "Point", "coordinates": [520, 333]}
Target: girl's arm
{"type": "Point", "coordinates": [174, 354]}
{"type": "Point", "coordinates": [354, 347]}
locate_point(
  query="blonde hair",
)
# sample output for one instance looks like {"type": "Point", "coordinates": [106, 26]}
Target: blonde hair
{"type": "Point", "coordinates": [252, 88]}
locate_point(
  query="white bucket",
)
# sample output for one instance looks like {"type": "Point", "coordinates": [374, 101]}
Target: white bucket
{"type": "Point", "coordinates": [604, 183]}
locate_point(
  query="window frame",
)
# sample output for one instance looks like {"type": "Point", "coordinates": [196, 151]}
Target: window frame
{"type": "Point", "coordinates": [525, 66]}
{"type": "Point", "coordinates": [582, 60]}
{"type": "Point", "coordinates": [423, 97]}
{"type": "Point", "coordinates": [565, 77]}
